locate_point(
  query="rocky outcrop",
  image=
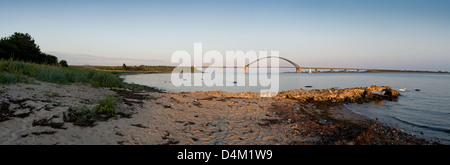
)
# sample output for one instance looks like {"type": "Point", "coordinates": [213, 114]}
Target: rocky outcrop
{"type": "Point", "coordinates": [361, 94]}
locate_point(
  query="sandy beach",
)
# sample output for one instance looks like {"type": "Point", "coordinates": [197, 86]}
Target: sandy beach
{"type": "Point", "coordinates": [33, 114]}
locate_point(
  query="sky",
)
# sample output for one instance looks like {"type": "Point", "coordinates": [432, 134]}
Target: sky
{"type": "Point", "coordinates": [383, 34]}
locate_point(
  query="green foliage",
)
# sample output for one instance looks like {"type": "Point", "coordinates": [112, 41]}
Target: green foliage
{"type": "Point", "coordinates": [2, 51]}
{"type": "Point", "coordinates": [12, 71]}
{"type": "Point", "coordinates": [105, 79]}
{"type": "Point", "coordinates": [140, 68]}
{"type": "Point", "coordinates": [6, 78]}
{"type": "Point", "coordinates": [83, 116]}
{"type": "Point", "coordinates": [48, 59]}
{"type": "Point", "coordinates": [63, 63]}
{"type": "Point", "coordinates": [22, 47]}
{"type": "Point", "coordinates": [107, 106]}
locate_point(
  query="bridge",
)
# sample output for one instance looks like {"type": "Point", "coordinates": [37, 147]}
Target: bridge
{"type": "Point", "coordinates": [298, 68]}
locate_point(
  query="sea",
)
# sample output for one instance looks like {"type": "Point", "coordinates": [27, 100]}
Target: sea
{"type": "Point", "coordinates": [422, 109]}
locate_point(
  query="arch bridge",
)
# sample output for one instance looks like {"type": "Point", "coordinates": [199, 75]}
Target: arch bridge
{"type": "Point", "coordinates": [298, 68]}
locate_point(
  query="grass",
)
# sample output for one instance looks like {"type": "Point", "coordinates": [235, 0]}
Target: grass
{"type": "Point", "coordinates": [82, 116]}
{"type": "Point", "coordinates": [107, 107]}
{"type": "Point", "coordinates": [8, 78]}
{"type": "Point", "coordinates": [15, 71]}
{"type": "Point", "coordinates": [18, 71]}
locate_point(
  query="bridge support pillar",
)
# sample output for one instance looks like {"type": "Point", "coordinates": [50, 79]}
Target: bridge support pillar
{"type": "Point", "coordinates": [358, 70]}
{"type": "Point", "coordinates": [246, 69]}
{"type": "Point", "coordinates": [331, 70]}
{"type": "Point", "coordinates": [315, 70]}
{"type": "Point", "coordinates": [298, 70]}
{"type": "Point", "coordinates": [345, 70]}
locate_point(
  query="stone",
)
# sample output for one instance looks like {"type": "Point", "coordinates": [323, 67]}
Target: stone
{"type": "Point", "coordinates": [391, 92]}
{"type": "Point", "coordinates": [339, 95]}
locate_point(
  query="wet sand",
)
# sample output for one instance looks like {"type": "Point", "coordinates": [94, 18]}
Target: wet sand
{"type": "Point", "coordinates": [33, 114]}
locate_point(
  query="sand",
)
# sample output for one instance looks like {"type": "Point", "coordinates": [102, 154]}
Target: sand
{"type": "Point", "coordinates": [34, 115]}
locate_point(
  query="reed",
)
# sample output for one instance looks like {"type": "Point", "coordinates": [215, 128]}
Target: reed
{"type": "Point", "coordinates": [14, 71]}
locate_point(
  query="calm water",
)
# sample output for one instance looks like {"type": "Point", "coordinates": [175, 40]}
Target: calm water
{"type": "Point", "coordinates": [426, 110]}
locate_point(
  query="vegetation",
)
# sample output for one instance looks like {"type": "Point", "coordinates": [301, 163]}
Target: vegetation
{"type": "Point", "coordinates": [129, 69]}
{"type": "Point", "coordinates": [63, 63]}
{"type": "Point", "coordinates": [106, 106]}
{"type": "Point", "coordinates": [22, 47]}
{"type": "Point", "coordinates": [14, 71]}
{"type": "Point", "coordinates": [143, 87]}
{"type": "Point", "coordinates": [7, 78]}
{"type": "Point", "coordinates": [135, 69]}
{"type": "Point", "coordinates": [17, 71]}
{"type": "Point", "coordinates": [82, 116]}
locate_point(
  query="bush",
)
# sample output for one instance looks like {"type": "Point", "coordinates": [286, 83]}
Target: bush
{"type": "Point", "coordinates": [63, 63]}
{"type": "Point", "coordinates": [106, 107]}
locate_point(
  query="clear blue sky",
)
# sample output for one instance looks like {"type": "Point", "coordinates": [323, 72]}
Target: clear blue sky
{"type": "Point", "coordinates": [395, 34]}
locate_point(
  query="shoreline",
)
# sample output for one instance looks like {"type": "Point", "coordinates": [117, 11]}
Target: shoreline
{"type": "Point", "coordinates": [36, 117]}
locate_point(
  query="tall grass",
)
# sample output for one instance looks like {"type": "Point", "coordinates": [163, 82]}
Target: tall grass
{"type": "Point", "coordinates": [7, 78]}
{"type": "Point", "coordinates": [13, 71]}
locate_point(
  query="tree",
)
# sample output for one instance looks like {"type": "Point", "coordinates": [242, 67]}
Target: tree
{"type": "Point", "coordinates": [8, 48]}
{"type": "Point", "coordinates": [22, 47]}
{"type": "Point", "coordinates": [63, 63]}
{"type": "Point", "coordinates": [124, 67]}
{"type": "Point", "coordinates": [27, 49]}
{"type": "Point", "coordinates": [48, 59]}
{"type": "Point", "coordinates": [2, 52]}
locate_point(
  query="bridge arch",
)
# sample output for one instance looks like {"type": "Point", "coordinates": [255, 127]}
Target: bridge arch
{"type": "Point", "coordinates": [297, 67]}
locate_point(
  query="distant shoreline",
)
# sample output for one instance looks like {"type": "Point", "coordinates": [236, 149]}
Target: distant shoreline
{"type": "Point", "coordinates": [147, 69]}
{"type": "Point", "coordinates": [404, 71]}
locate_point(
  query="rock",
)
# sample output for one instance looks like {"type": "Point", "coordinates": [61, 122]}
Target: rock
{"type": "Point", "coordinates": [340, 95]}
{"type": "Point", "coordinates": [22, 113]}
{"type": "Point", "coordinates": [418, 90]}
{"type": "Point", "coordinates": [391, 92]}
{"type": "Point", "coordinates": [5, 113]}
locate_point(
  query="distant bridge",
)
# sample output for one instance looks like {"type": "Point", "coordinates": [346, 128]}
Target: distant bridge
{"type": "Point", "coordinates": [297, 67]}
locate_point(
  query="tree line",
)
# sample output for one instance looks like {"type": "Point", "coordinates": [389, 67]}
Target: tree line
{"type": "Point", "coordinates": [22, 47]}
